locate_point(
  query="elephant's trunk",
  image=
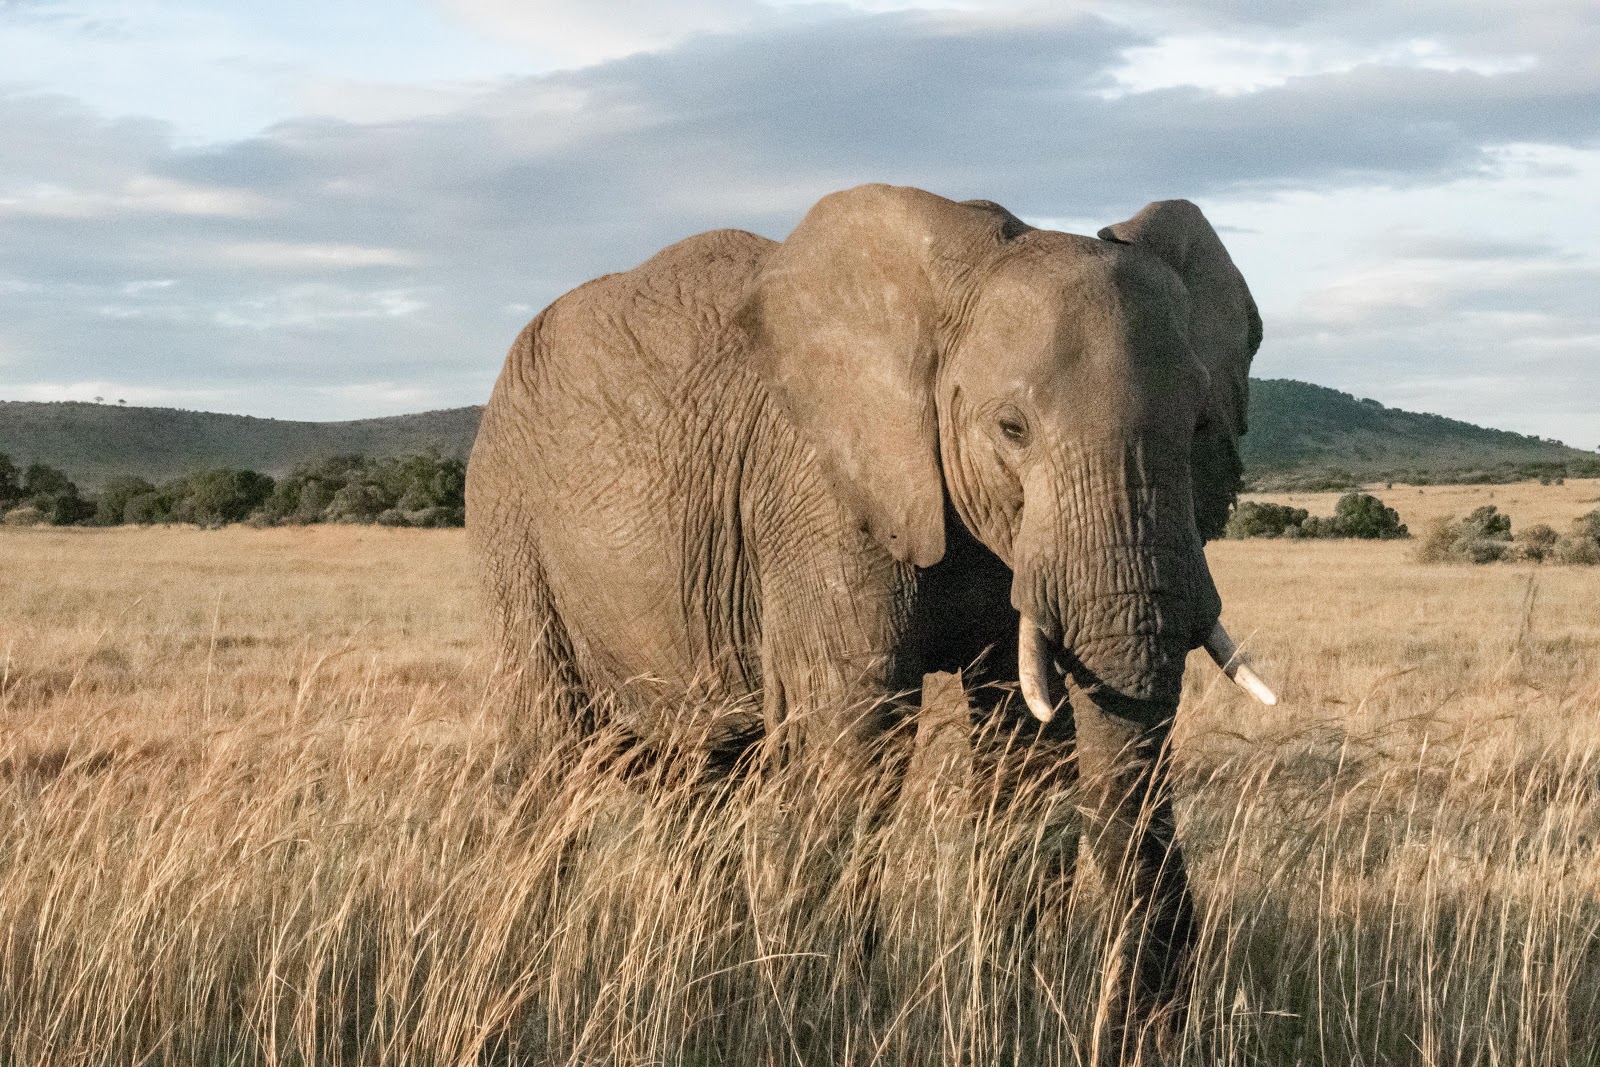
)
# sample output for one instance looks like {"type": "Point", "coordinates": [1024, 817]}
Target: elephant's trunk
{"type": "Point", "coordinates": [1110, 576]}
{"type": "Point", "coordinates": [1111, 581]}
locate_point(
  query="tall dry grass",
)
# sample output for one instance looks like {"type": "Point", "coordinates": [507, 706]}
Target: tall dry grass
{"type": "Point", "coordinates": [258, 805]}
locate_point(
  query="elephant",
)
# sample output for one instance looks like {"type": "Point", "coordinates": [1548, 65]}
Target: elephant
{"type": "Point", "coordinates": [916, 435]}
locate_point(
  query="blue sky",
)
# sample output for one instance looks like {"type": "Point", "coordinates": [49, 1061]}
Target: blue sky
{"type": "Point", "coordinates": [349, 208]}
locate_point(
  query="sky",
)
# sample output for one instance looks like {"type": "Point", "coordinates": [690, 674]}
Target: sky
{"type": "Point", "coordinates": [348, 208]}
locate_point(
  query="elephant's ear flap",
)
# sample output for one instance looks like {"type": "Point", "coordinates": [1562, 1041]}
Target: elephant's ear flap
{"type": "Point", "coordinates": [1224, 331]}
{"type": "Point", "coordinates": [843, 324]}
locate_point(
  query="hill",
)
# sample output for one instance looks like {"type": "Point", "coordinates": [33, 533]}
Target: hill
{"type": "Point", "coordinates": [95, 442]}
{"type": "Point", "coordinates": [1305, 436]}
{"type": "Point", "coordinates": [1301, 436]}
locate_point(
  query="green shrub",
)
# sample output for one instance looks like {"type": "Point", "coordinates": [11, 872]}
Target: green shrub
{"type": "Point", "coordinates": [217, 497]}
{"type": "Point", "coordinates": [1485, 536]}
{"type": "Point", "coordinates": [1363, 516]}
{"type": "Point", "coordinates": [10, 483]}
{"type": "Point", "coordinates": [1252, 518]}
{"type": "Point", "coordinates": [46, 490]}
{"type": "Point", "coordinates": [111, 506]}
{"type": "Point", "coordinates": [1588, 526]}
{"type": "Point", "coordinates": [42, 480]}
{"type": "Point", "coordinates": [1576, 551]}
{"type": "Point", "coordinates": [1356, 515]}
{"type": "Point", "coordinates": [147, 509]}
{"type": "Point", "coordinates": [299, 500]}
{"type": "Point", "coordinates": [1582, 546]}
{"type": "Point", "coordinates": [1535, 544]}
{"type": "Point", "coordinates": [424, 489]}
{"type": "Point", "coordinates": [1319, 527]}
{"type": "Point", "coordinates": [1487, 522]}
{"type": "Point", "coordinates": [357, 502]}
{"type": "Point", "coordinates": [67, 508]}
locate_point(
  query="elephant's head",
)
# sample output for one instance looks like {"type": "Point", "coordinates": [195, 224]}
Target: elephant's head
{"type": "Point", "coordinates": [1079, 401]}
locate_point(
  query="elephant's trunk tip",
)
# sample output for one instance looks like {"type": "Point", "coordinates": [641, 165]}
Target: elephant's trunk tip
{"type": "Point", "coordinates": [1233, 664]}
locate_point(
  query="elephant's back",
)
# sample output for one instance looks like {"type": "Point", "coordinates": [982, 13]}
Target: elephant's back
{"type": "Point", "coordinates": [679, 306]}
{"type": "Point", "coordinates": [618, 412]}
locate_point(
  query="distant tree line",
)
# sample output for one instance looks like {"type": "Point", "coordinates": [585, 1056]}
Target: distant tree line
{"type": "Point", "coordinates": [1356, 515]}
{"type": "Point", "coordinates": [1315, 479]}
{"type": "Point", "coordinates": [423, 489]}
{"type": "Point", "coordinates": [1484, 536]}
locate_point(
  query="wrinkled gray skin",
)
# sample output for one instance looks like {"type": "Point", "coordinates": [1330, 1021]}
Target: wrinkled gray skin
{"type": "Point", "coordinates": [800, 475]}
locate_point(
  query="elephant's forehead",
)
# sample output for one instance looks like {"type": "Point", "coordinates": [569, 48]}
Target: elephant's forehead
{"type": "Point", "coordinates": [1107, 300]}
{"type": "Point", "coordinates": [1089, 328]}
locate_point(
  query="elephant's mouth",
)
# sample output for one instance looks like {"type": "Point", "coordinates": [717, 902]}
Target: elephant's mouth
{"type": "Point", "coordinates": [1044, 692]}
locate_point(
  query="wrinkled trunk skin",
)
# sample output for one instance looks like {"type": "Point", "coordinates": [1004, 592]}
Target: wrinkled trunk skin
{"type": "Point", "coordinates": [1116, 574]}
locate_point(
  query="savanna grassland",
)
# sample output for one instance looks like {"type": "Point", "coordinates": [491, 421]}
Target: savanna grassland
{"type": "Point", "coordinates": [1526, 502]}
{"type": "Point", "coordinates": [259, 803]}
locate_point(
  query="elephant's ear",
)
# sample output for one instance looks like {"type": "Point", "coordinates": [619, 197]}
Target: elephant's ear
{"type": "Point", "coordinates": [846, 324]}
{"type": "Point", "coordinates": [1224, 331]}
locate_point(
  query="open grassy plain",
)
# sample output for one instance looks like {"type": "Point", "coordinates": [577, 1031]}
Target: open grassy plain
{"type": "Point", "coordinates": [1526, 502]}
{"type": "Point", "coordinates": [258, 804]}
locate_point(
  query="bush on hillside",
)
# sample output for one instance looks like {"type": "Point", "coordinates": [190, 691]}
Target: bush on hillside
{"type": "Point", "coordinates": [1309, 477]}
{"type": "Point", "coordinates": [1356, 515]}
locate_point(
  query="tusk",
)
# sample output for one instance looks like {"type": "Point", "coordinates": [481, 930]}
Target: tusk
{"type": "Point", "coordinates": [1233, 664]}
{"type": "Point", "coordinates": [1033, 669]}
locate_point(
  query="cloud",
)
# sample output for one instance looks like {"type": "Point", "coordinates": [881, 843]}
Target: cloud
{"type": "Point", "coordinates": [286, 255]}
{"type": "Point", "coordinates": [135, 395]}
{"type": "Point", "coordinates": [1230, 65]}
{"type": "Point", "coordinates": [323, 255]}
{"type": "Point", "coordinates": [222, 71]}
{"type": "Point", "coordinates": [138, 194]}
{"type": "Point", "coordinates": [1501, 333]}
{"type": "Point", "coordinates": [316, 306]}
{"type": "Point", "coordinates": [570, 33]}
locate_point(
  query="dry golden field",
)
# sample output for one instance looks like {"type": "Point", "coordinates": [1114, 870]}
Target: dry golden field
{"type": "Point", "coordinates": [258, 804]}
{"type": "Point", "coordinates": [1526, 502]}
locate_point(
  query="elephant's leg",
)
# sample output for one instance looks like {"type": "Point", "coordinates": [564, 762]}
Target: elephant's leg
{"type": "Point", "coordinates": [548, 700]}
{"type": "Point", "coordinates": [832, 615]}
{"type": "Point", "coordinates": [831, 611]}
{"type": "Point", "coordinates": [1131, 835]}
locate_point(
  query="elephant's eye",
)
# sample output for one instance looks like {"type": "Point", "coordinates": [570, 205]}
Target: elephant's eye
{"type": "Point", "coordinates": [1015, 430]}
